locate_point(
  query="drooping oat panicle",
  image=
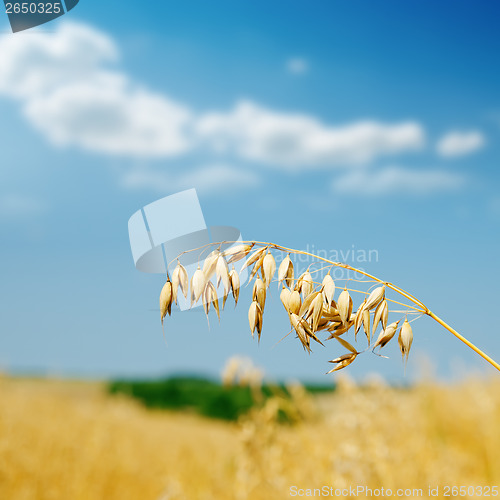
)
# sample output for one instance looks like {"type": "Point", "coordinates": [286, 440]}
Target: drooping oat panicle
{"type": "Point", "coordinates": [328, 289]}
{"type": "Point", "coordinates": [166, 299]}
{"type": "Point", "coordinates": [342, 362]}
{"type": "Point", "coordinates": [386, 335]}
{"type": "Point", "coordinates": [237, 252]}
{"type": "Point", "coordinates": [294, 302]}
{"type": "Point", "coordinates": [310, 309]}
{"type": "Point", "coordinates": [198, 282]}
{"type": "Point", "coordinates": [375, 298]}
{"type": "Point", "coordinates": [259, 293]}
{"type": "Point", "coordinates": [405, 338]}
{"type": "Point", "coordinates": [222, 273]}
{"type": "Point", "coordinates": [234, 280]}
{"type": "Point", "coordinates": [381, 315]}
{"type": "Point", "coordinates": [268, 268]}
{"type": "Point", "coordinates": [344, 305]}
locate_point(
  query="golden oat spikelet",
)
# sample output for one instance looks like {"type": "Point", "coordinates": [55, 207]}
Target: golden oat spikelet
{"type": "Point", "coordinates": [285, 271]}
{"type": "Point", "coordinates": [386, 335]}
{"type": "Point", "coordinates": [285, 298]}
{"type": "Point", "coordinates": [234, 280]}
{"type": "Point", "coordinates": [210, 263]}
{"type": "Point", "coordinates": [180, 278]}
{"type": "Point", "coordinates": [294, 302]}
{"type": "Point", "coordinates": [259, 293]}
{"type": "Point", "coordinates": [358, 320]}
{"type": "Point", "coordinates": [198, 282]}
{"type": "Point", "coordinates": [166, 300]}
{"type": "Point", "coordinates": [344, 305]}
{"type": "Point", "coordinates": [305, 284]}
{"type": "Point", "coordinates": [375, 298]}
{"type": "Point", "coordinates": [366, 324]}
{"type": "Point", "coordinates": [405, 339]}
{"type": "Point", "coordinates": [328, 289]}
{"type": "Point", "coordinates": [306, 303]}
{"type": "Point", "coordinates": [268, 268]}
{"type": "Point", "coordinates": [222, 273]}
{"type": "Point", "coordinates": [255, 318]}
{"type": "Point", "coordinates": [299, 327]}
{"type": "Point", "coordinates": [254, 257]}
{"type": "Point", "coordinates": [342, 362]}
{"type": "Point", "coordinates": [381, 315]}
{"type": "Point", "coordinates": [237, 252]}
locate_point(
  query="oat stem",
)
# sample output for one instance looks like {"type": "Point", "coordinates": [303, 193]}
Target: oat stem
{"type": "Point", "coordinates": [422, 307]}
{"type": "Point", "coordinates": [464, 340]}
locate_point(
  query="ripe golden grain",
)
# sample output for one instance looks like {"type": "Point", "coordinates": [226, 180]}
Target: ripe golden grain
{"type": "Point", "coordinates": [198, 282]}
{"type": "Point", "coordinates": [386, 335]}
{"type": "Point", "coordinates": [310, 305]}
{"type": "Point", "coordinates": [328, 289]}
{"type": "Point", "coordinates": [344, 305]}
{"type": "Point", "coordinates": [166, 300]}
{"type": "Point", "coordinates": [285, 271]}
{"type": "Point", "coordinates": [268, 268]}
{"type": "Point", "coordinates": [405, 338]}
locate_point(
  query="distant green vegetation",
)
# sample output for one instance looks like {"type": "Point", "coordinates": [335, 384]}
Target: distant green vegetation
{"type": "Point", "coordinates": [200, 395]}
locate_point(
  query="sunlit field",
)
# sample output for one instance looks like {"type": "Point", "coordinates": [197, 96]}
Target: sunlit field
{"type": "Point", "coordinates": [62, 440]}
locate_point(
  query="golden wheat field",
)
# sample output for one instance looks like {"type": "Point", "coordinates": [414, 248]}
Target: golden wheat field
{"type": "Point", "coordinates": [62, 440]}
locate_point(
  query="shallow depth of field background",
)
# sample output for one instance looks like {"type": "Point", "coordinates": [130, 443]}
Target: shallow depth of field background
{"type": "Point", "coordinates": [342, 128]}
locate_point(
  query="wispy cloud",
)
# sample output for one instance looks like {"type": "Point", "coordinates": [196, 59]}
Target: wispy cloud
{"type": "Point", "coordinates": [255, 133]}
{"type": "Point", "coordinates": [209, 179]}
{"type": "Point", "coordinates": [297, 66]}
{"type": "Point", "coordinates": [400, 180]}
{"type": "Point", "coordinates": [19, 206]}
{"type": "Point", "coordinates": [458, 143]}
{"type": "Point", "coordinates": [71, 91]}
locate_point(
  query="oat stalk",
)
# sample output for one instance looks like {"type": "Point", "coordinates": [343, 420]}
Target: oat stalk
{"type": "Point", "coordinates": [310, 314]}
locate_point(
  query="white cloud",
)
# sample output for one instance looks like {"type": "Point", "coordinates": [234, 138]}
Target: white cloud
{"type": "Point", "coordinates": [297, 140]}
{"type": "Point", "coordinates": [397, 180]}
{"type": "Point", "coordinates": [70, 93]}
{"type": "Point", "coordinates": [108, 115]}
{"type": "Point", "coordinates": [35, 63]}
{"type": "Point", "coordinates": [297, 66]}
{"type": "Point", "coordinates": [13, 206]}
{"type": "Point", "coordinates": [213, 179]}
{"type": "Point", "coordinates": [457, 143]}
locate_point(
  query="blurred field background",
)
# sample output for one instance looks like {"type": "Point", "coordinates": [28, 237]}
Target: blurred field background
{"type": "Point", "coordinates": [63, 440]}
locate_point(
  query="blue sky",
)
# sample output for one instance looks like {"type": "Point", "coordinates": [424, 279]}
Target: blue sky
{"type": "Point", "coordinates": [326, 124]}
